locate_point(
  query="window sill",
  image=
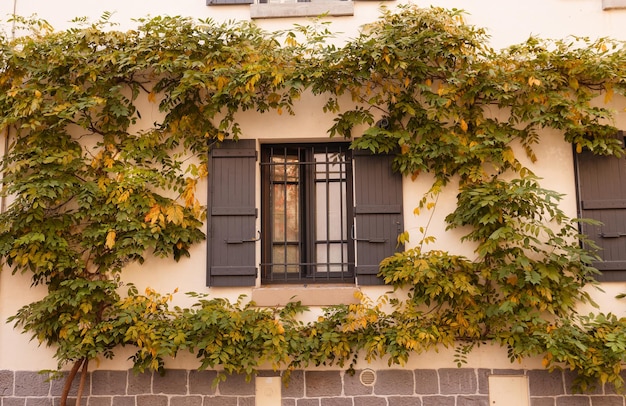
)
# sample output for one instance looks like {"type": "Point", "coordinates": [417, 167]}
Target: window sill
{"type": "Point", "coordinates": [322, 295]}
{"type": "Point", "coordinates": [613, 4]}
{"type": "Point", "coordinates": [308, 9]}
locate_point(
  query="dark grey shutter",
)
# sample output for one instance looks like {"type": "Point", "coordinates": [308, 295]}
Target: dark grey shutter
{"type": "Point", "coordinates": [378, 213]}
{"type": "Point", "coordinates": [227, 2]}
{"type": "Point", "coordinates": [232, 215]}
{"type": "Point", "coordinates": [602, 194]}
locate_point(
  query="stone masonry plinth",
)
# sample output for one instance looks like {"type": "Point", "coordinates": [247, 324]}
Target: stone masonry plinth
{"type": "Point", "coordinates": [391, 387]}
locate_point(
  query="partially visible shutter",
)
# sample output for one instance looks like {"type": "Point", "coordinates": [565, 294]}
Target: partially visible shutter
{"type": "Point", "coordinates": [232, 215]}
{"type": "Point", "coordinates": [602, 193]}
{"type": "Point", "coordinates": [378, 213]}
{"type": "Point", "coordinates": [227, 2]}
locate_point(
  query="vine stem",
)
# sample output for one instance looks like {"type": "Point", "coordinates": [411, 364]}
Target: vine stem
{"type": "Point", "coordinates": [83, 378]}
{"type": "Point", "coordinates": [70, 379]}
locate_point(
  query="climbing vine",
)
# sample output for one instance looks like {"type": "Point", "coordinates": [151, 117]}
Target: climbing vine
{"type": "Point", "coordinates": [91, 188]}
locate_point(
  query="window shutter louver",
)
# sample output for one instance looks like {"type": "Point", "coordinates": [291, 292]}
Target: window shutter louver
{"type": "Point", "coordinates": [232, 214]}
{"type": "Point", "coordinates": [378, 213]}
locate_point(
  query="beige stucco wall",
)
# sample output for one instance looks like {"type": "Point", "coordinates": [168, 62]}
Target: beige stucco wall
{"type": "Point", "coordinates": [507, 22]}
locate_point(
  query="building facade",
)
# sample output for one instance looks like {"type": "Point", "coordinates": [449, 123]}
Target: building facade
{"type": "Point", "coordinates": [292, 215]}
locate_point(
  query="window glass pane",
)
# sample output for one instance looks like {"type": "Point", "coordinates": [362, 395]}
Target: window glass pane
{"type": "Point", "coordinates": [331, 219]}
{"type": "Point", "coordinates": [332, 257]}
{"type": "Point", "coordinates": [330, 165]}
{"type": "Point", "coordinates": [286, 259]}
{"type": "Point", "coordinates": [285, 169]}
{"type": "Point", "coordinates": [286, 212]}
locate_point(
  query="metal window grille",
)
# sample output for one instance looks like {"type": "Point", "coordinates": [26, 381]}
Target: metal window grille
{"type": "Point", "coordinates": [307, 213]}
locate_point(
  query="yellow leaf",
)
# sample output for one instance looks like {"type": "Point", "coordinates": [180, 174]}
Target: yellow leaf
{"type": "Point", "coordinates": [203, 172]}
{"type": "Point", "coordinates": [110, 241]}
{"type": "Point", "coordinates": [37, 93]}
{"type": "Point", "coordinates": [579, 148]}
{"type": "Point", "coordinates": [151, 97]}
{"type": "Point", "coordinates": [464, 125]}
{"type": "Point", "coordinates": [532, 81]}
{"type": "Point", "coordinates": [403, 238]}
{"type": "Point", "coordinates": [508, 155]}
{"type": "Point", "coordinates": [416, 211]}
{"type": "Point", "coordinates": [221, 82]}
{"type": "Point", "coordinates": [174, 214]}
{"type": "Point", "coordinates": [189, 194]}
{"type": "Point", "coordinates": [124, 196]}
{"type": "Point", "coordinates": [153, 214]}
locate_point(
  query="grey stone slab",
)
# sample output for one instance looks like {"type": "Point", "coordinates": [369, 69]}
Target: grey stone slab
{"type": "Point", "coordinates": [237, 384]}
{"type": "Point", "coordinates": [100, 401]}
{"type": "Point", "coordinates": [202, 382]}
{"type": "Point", "coordinates": [186, 400]}
{"type": "Point", "coordinates": [370, 401]}
{"type": "Point", "coordinates": [457, 381]}
{"type": "Point", "coordinates": [404, 401]}
{"type": "Point", "coordinates": [608, 400]}
{"type": "Point", "coordinates": [13, 401]}
{"type": "Point", "coordinates": [39, 402]}
{"type": "Point", "coordinates": [288, 402]}
{"type": "Point", "coordinates": [352, 385]}
{"type": "Point", "coordinates": [336, 401]}
{"type": "Point", "coordinates": [438, 400]}
{"type": "Point", "coordinates": [6, 383]}
{"type": "Point", "coordinates": [220, 401]}
{"type": "Point", "coordinates": [542, 401]}
{"type": "Point", "coordinates": [570, 376]}
{"type": "Point", "coordinates": [152, 400]}
{"type": "Point", "coordinates": [610, 389]}
{"type": "Point", "coordinates": [465, 400]}
{"type": "Point", "coordinates": [57, 385]}
{"type": "Point", "coordinates": [294, 387]}
{"type": "Point", "coordinates": [426, 381]}
{"type": "Point", "coordinates": [30, 383]}
{"type": "Point", "coordinates": [483, 380]}
{"type": "Point", "coordinates": [323, 383]}
{"type": "Point", "coordinates": [307, 402]}
{"type": "Point", "coordinates": [123, 401]}
{"type": "Point", "coordinates": [545, 383]}
{"type": "Point", "coordinates": [108, 382]}
{"type": "Point", "coordinates": [246, 401]}
{"type": "Point", "coordinates": [394, 382]}
{"type": "Point", "coordinates": [573, 400]}
{"type": "Point", "coordinates": [173, 382]}
{"type": "Point", "coordinates": [139, 383]}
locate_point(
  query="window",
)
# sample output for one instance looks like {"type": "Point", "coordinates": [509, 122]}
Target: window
{"type": "Point", "coordinates": [601, 182]}
{"type": "Point", "coordinates": [307, 213]}
{"type": "Point", "coordinates": [299, 8]}
{"type": "Point", "coordinates": [613, 4]}
{"type": "Point", "coordinates": [328, 214]}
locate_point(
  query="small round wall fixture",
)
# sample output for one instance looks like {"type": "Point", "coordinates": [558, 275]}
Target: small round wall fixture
{"type": "Point", "coordinates": [368, 377]}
